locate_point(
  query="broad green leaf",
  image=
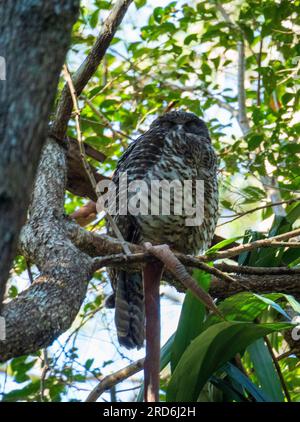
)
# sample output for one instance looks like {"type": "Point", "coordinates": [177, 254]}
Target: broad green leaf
{"type": "Point", "coordinates": [190, 322]}
{"type": "Point", "coordinates": [265, 371]}
{"type": "Point", "coordinates": [244, 306]}
{"type": "Point", "coordinates": [274, 305]}
{"type": "Point", "coordinates": [256, 392]}
{"type": "Point", "coordinates": [209, 351]}
{"type": "Point", "coordinates": [222, 244]}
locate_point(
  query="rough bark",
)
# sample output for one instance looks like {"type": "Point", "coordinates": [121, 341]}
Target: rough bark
{"type": "Point", "coordinates": [289, 284]}
{"type": "Point", "coordinates": [34, 39]}
{"type": "Point", "coordinates": [45, 310]}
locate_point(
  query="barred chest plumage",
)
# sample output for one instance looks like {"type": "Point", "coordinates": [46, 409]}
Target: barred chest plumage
{"type": "Point", "coordinates": [188, 170]}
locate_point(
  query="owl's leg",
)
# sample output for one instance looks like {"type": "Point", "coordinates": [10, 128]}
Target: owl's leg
{"type": "Point", "coordinates": [152, 274]}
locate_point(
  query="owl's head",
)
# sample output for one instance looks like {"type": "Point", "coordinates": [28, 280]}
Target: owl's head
{"type": "Point", "coordinates": [181, 120]}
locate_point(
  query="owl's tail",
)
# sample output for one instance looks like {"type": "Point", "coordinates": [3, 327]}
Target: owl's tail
{"type": "Point", "coordinates": [130, 314]}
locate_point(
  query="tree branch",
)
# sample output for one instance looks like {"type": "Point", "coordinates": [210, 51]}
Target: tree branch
{"type": "Point", "coordinates": [111, 380]}
{"type": "Point", "coordinates": [288, 284]}
{"type": "Point", "coordinates": [237, 269]}
{"type": "Point", "coordinates": [48, 307]}
{"type": "Point", "coordinates": [89, 66]}
{"type": "Point", "coordinates": [261, 207]}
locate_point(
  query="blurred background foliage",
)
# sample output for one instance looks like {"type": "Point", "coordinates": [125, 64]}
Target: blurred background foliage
{"type": "Point", "coordinates": [184, 54]}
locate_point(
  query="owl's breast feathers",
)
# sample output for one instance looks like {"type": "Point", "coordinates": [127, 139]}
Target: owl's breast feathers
{"type": "Point", "coordinates": [170, 156]}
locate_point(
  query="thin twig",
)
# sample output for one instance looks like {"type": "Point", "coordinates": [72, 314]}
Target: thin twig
{"type": "Point", "coordinates": [84, 159]}
{"type": "Point", "coordinates": [46, 369]}
{"type": "Point", "coordinates": [242, 115]}
{"type": "Point", "coordinates": [107, 123]}
{"type": "Point", "coordinates": [261, 207]}
{"type": "Point", "coordinates": [258, 100]}
{"type": "Point", "coordinates": [262, 243]}
{"type": "Point", "coordinates": [111, 380]}
{"type": "Point", "coordinates": [89, 65]}
{"type": "Point", "coordinates": [285, 355]}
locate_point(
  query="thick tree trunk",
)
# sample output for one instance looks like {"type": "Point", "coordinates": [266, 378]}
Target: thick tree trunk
{"type": "Point", "coordinates": [35, 35]}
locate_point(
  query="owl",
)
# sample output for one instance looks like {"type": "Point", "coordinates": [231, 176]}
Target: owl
{"type": "Point", "coordinates": [176, 148]}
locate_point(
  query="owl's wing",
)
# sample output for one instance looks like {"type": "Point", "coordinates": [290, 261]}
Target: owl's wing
{"type": "Point", "coordinates": [136, 162]}
{"type": "Point", "coordinates": [141, 155]}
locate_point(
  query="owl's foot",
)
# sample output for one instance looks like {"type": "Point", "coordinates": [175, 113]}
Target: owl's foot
{"type": "Point", "coordinates": [178, 270]}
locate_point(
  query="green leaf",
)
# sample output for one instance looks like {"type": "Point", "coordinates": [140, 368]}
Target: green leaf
{"type": "Point", "coordinates": [256, 392]}
{"type": "Point", "coordinates": [209, 351]}
{"type": "Point", "coordinates": [140, 3]}
{"type": "Point", "coordinates": [190, 322]}
{"type": "Point", "coordinates": [293, 302]}
{"type": "Point", "coordinates": [88, 363]}
{"type": "Point", "coordinates": [222, 244]}
{"type": "Point", "coordinates": [190, 38]}
{"type": "Point", "coordinates": [24, 393]}
{"type": "Point", "coordinates": [243, 306]}
{"type": "Point", "coordinates": [274, 305]}
{"type": "Point", "coordinates": [265, 370]}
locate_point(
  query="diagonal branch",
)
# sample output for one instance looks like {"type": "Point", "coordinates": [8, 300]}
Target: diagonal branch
{"type": "Point", "coordinates": [84, 161]}
{"type": "Point", "coordinates": [89, 66]}
{"type": "Point", "coordinates": [261, 207]}
{"type": "Point", "coordinates": [111, 380]}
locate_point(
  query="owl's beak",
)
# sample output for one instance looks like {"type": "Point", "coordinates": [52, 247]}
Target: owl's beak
{"type": "Point", "coordinates": [179, 128]}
